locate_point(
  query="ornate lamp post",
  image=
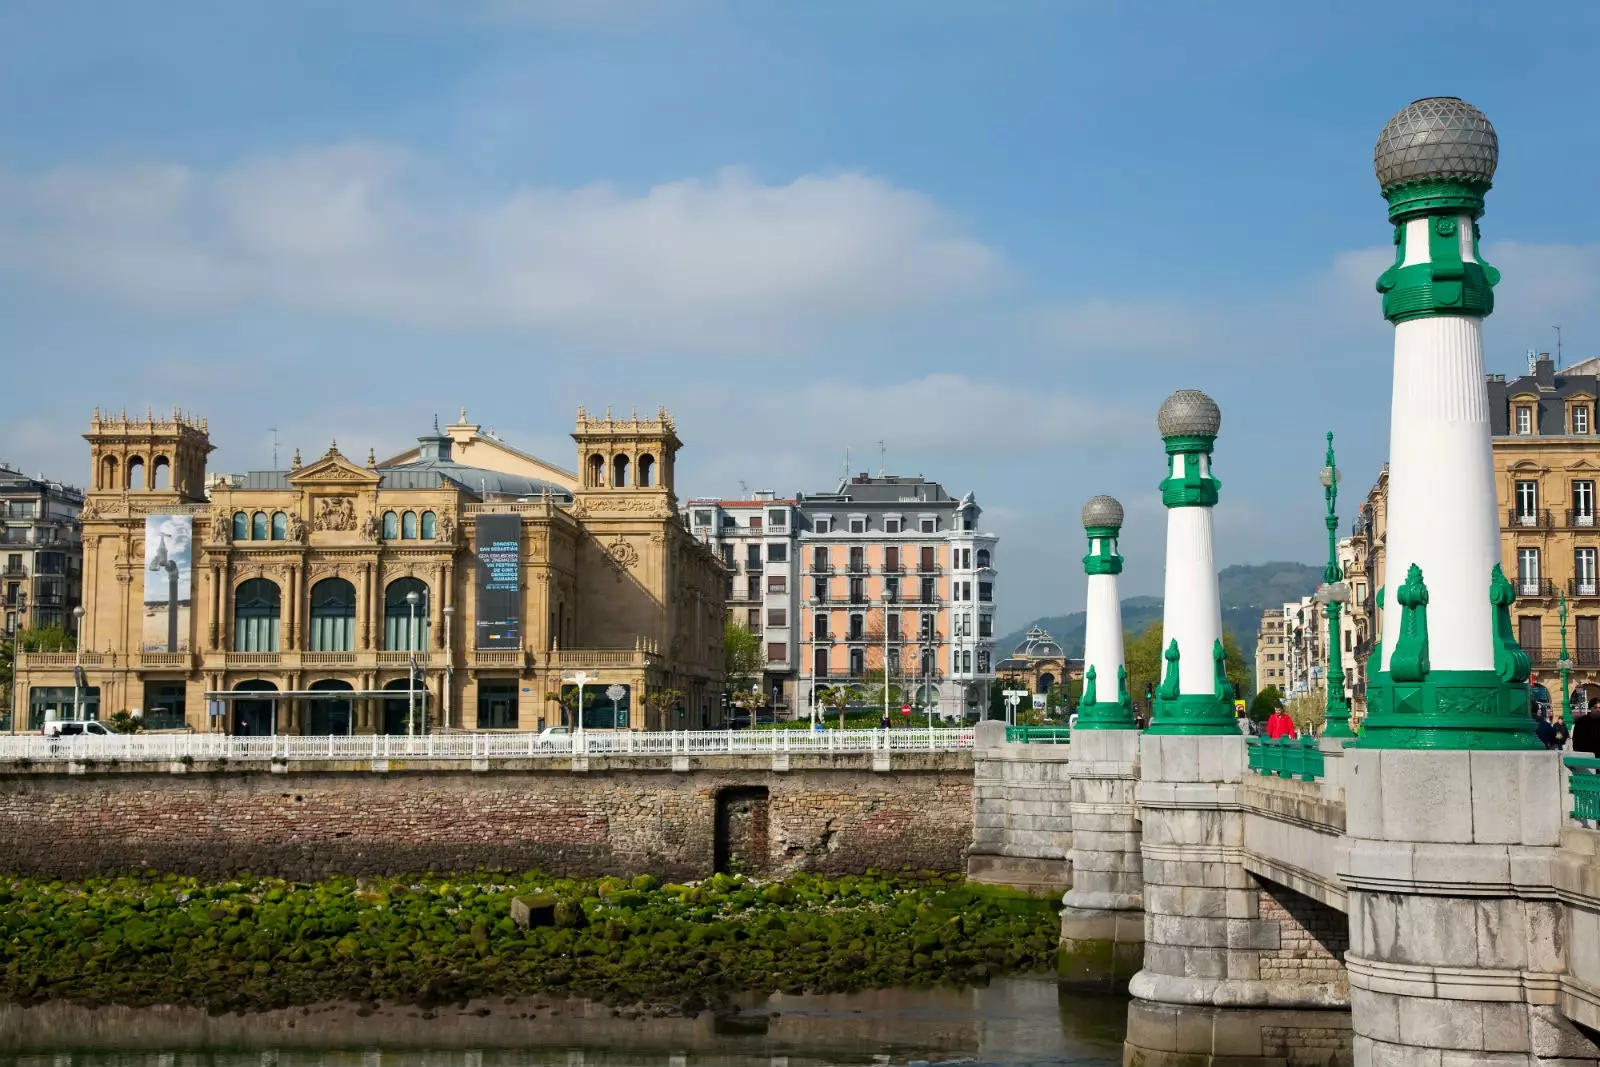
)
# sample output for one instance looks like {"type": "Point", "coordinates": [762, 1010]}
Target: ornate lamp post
{"type": "Point", "coordinates": [1334, 594]}
{"type": "Point", "coordinates": [1565, 663]}
{"type": "Point", "coordinates": [1106, 704]}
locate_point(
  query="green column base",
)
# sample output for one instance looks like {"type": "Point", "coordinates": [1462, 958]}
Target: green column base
{"type": "Point", "coordinates": [1447, 709]}
{"type": "Point", "coordinates": [1196, 714]}
{"type": "Point", "coordinates": [1104, 716]}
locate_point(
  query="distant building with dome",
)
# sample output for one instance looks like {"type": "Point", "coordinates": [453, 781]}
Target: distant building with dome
{"type": "Point", "coordinates": [1039, 663]}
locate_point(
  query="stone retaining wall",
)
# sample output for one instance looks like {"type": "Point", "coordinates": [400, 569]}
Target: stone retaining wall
{"type": "Point", "coordinates": [308, 823]}
{"type": "Point", "coordinates": [1022, 813]}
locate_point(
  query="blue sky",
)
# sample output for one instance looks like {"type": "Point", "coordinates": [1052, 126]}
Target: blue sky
{"type": "Point", "coordinates": [993, 236]}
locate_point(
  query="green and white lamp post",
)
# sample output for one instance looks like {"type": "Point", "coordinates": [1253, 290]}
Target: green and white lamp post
{"type": "Point", "coordinates": [1334, 594]}
{"type": "Point", "coordinates": [1449, 673]}
{"type": "Point", "coordinates": [1194, 696]}
{"type": "Point", "coordinates": [1565, 665]}
{"type": "Point", "coordinates": [1106, 703]}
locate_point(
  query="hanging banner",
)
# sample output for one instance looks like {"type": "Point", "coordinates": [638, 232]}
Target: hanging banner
{"type": "Point", "coordinates": [499, 581]}
{"type": "Point", "coordinates": [167, 579]}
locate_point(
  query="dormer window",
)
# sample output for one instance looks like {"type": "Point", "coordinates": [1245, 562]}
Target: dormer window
{"type": "Point", "coordinates": [1580, 418]}
{"type": "Point", "coordinates": [1524, 419]}
{"type": "Point", "coordinates": [858, 526]}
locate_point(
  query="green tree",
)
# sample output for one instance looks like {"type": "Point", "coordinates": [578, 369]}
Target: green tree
{"type": "Point", "coordinates": [1261, 707]}
{"type": "Point", "coordinates": [741, 656]}
{"type": "Point", "coordinates": [1142, 655]}
{"type": "Point", "coordinates": [47, 639]}
{"type": "Point", "coordinates": [840, 697]}
{"type": "Point", "coordinates": [659, 705]}
{"type": "Point", "coordinates": [1307, 710]}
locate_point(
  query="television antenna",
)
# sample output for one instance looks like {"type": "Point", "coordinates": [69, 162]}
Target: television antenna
{"type": "Point", "coordinates": [274, 430]}
{"type": "Point", "coordinates": [1557, 329]}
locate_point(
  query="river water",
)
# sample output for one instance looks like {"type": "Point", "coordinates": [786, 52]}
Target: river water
{"type": "Point", "coordinates": [1012, 1022]}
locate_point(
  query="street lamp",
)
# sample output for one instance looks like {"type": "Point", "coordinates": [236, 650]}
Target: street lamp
{"type": "Point", "coordinates": [1333, 594]}
{"type": "Point", "coordinates": [412, 598]}
{"type": "Point", "coordinates": [449, 661]}
{"type": "Point", "coordinates": [888, 599]}
{"type": "Point", "coordinates": [1565, 663]}
{"type": "Point", "coordinates": [77, 663]}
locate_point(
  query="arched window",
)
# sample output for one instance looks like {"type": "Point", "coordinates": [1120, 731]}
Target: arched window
{"type": "Point", "coordinates": [280, 526]}
{"type": "Point", "coordinates": [983, 557]}
{"type": "Point", "coordinates": [619, 471]}
{"type": "Point", "coordinates": [408, 526]}
{"type": "Point", "coordinates": [255, 717]}
{"type": "Point", "coordinates": [333, 616]}
{"type": "Point", "coordinates": [329, 715]}
{"type": "Point", "coordinates": [597, 471]}
{"type": "Point", "coordinates": [1047, 681]}
{"type": "Point", "coordinates": [405, 628]}
{"type": "Point", "coordinates": [161, 474]}
{"type": "Point", "coordinates": [135, 472]}
{"type": "Point", "coordinates": [108, 473]}
{"type": "Point", "coordinates": [256, 605]}
{"type": "Point", "coordinates": [391, 526]}
{"type": "Point", "coordinates": [430, 526]}
{"type": "Point", "coordinates": [258, 526]}
{"type": "Point", "coordinates": [241, 526]}
{"type": "Point", "coordinates": [647, 471]}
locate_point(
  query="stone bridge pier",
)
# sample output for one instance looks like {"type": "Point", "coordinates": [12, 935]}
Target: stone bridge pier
{"type": "Point", "coordinates": [1102, 921]}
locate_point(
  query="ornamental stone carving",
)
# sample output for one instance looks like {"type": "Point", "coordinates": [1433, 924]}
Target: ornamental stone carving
{"type": "Point", "coordinates": [335, 513]}
{"type": "Point", "coordinates": [446, 530]}
{"type": "Point", "coordinates": [623, 555]}
{"type": "Point", "coordinates": [297, 528]}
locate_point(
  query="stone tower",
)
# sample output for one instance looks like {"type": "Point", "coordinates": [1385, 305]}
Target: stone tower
{"type": "Point", "coordinates": [633, 455]}
{"type": "Point", "coordinates": [150, 455]}
{"type": "Point", "coordinates": [1107, 704]}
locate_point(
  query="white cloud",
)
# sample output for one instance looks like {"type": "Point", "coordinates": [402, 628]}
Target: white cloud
{"type": "Point", "coordinates": [725, 262]}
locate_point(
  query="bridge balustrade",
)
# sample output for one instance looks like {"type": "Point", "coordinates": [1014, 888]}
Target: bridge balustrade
{"type": "Point", "coordinates": [1287, 757]}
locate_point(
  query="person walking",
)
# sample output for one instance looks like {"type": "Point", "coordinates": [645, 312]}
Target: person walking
{"type": "Point", "coordinates": [1586, 734]}
{"type": "Point", "coordinates": [1279, 725]}
{"type": "Point", "coordinates": [1546, 730]}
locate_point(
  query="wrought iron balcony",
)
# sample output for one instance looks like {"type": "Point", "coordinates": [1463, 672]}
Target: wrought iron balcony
{"type": "Point", "coordinates": [1583, 587]}
{"type": "Point", "coordinates": [1535, 587]}
{"type": "Point", "coordinates": [1580, 520]}
{"type": "Point", "coordinates": [1536, 519]}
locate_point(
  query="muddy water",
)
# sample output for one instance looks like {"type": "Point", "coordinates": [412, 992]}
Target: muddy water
{"type": "Point", "coordinates": [1012, 1021]}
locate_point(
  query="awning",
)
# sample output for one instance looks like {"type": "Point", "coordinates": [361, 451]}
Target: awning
{"type": "Point", "coordinates": [314, 694]}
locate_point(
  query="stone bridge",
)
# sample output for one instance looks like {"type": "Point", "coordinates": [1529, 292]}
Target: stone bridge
{"type": "Point", "coordinates": [1440, 905]}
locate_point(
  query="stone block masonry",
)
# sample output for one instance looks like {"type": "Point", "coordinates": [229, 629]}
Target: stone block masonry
{"type": "Point", "coordinates": [310, 823]}
{"type": "Point", "coordinates": [1022, 813]}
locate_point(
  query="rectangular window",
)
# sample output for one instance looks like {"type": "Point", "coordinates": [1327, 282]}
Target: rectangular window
{"type": "Point", "coordinates": [891, 526]}
{"type": "Point", "coordinates": [1527, 503]}
{"type": "Point", "coordinates": [819, 625]}
{"type": "Point", "coordinates": [752, 557]}
{"type": "Point", "coordinates": [819, 559]}
{"type": "Point", "coordinates": [985, 625]}
{"type": "Point", "coordinates": [1580, 419]}
{"type": "Point", "coordinates": [824, 524]}
{"type": "Point", "coordinates": [894, 661]}
{"type": "Point", "coordinates": [702, 518]}
{"type": "Point", "coordinates": [926, 631]}
{"type": "Point", "coordinates": [1583, 572]}
{"type": "Point", "coordinates": [165, 706]}
{"type": "Point", "coordinates": [1529, 635]}
{"type": "Point", "coordinates": [777, 616]}
{"type": "Point", "coordinates": [857, 630]}
{"type": "Point", "coordinates": [1524, 419]}
{"type": "Point", "coordinates": [777, 520]}
{"type": "Point", "coordinates": [777, 651]}
{"type": "Point", "coordinates": [752, 619]}
{"type": "Point", "coordinates": [986, 592]}
{"type": "Point", "coordinates": [755, 522]}
{"type": "Point", "coordinates": [1528, 571]}
{"type": "Point", "coordinates": [727, 594]}
{"type": "Point", "coordinates": [928, 562]}
{"type": "Point", "coordinates": [930, 525]}
{"type": "Point", "coordinates": [894, 626]}
{"type": "Point", "coordinates": [497, 705]}
{"type": "Point", "coordinates": [819, 590]}
{"type": "Point", "coordinates": [891, 589]}
{"type": "Point", "coordinates": [777, 552]}
{"type": "Point", "coordinates": [961, 623]}
{"type": "Point", "coordinates": [891, 558]}
{"type": "Point", "coordinates": [727, 555]}
{"type": "Point", "coordinates": [51, 563]}
{"type": "Point", "coordinates": [858, 560]}
{"type": "Point", "coordinates": [858, 526]}
{"type": "Point", "coordinates": [926, 593]}
{"type": "Point", "coordinates": [777, 583]}
{"type": "Point", "coordinates": [1588, 640]}
{"type": "Point", "coordinates": [858, 591]}
{"type": "Point", "coordinates": [1583, 503]}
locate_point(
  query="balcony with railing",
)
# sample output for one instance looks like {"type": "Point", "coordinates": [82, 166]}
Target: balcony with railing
{"type": "Point", "coordinates": [1580, 520]}
{"type": "Point", "coordinates": [1549, 656]}
{"type": "Point", "coordinates": [1526, 519]}
{"type": "Point", "coordinates": [857, 566]}
{"type": "Point", "coordinates": [15, 570]}
{"type": "Point", "coordinates": [1583, 587]}
{"type": "Point", "coordinates": [924, 567]}
{"type": "Point", "coordinates": [1534, 587]}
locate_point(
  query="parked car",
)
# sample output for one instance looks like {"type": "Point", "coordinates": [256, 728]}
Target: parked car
{"type": "Point", "coordinates": [74, 728]}
{"type": "Point", "coordinates": [555, 735]}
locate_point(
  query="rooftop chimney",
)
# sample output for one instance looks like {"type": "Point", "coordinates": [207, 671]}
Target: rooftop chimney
{"type": "Point", "coordinates": [1544, 369]}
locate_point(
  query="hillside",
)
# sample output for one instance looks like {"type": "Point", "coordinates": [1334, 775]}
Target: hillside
{"type": "Point", "coordinates": [1247, 590]}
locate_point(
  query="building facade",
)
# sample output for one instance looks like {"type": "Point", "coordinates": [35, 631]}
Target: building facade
{"type": "Point", "coordinates": [42, 552]}
{"type": "Point", "coordinates": [418, 594]}
{"type": "Point", "coordinates": [1546, 466]}
{"type": "Point", "coordinates": [1271, 668]}
{"type": "Point", "coordinates": [1039, 664]}
{"type": "Point", "coordinates": [896, 576]}
{"type": "Point", "coordinates": [756, 541]}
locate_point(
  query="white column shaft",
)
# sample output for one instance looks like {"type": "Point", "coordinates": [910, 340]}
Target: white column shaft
{"type": "Point", "coordinates": [1192, 612]}
{"type": "Point", "coordinates": [1443, 514]}
{"type": "Point", "coordinates": [1102, 639]}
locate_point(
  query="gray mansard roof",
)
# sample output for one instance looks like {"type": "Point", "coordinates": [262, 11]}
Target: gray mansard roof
{"type": "Point", "coordinates": [1552, 387]}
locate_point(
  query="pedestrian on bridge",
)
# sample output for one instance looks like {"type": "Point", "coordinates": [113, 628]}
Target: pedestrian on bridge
{"type": "Point", "coordinates": [1586, 734]}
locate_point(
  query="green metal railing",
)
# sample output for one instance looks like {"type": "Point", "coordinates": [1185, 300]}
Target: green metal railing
{"type": "Point", "coordinates": [1038, 735]}
{"type": "Point", "coordinates": [1584, 785]}
{"type": "Point", "coordinates": [1287, 757]}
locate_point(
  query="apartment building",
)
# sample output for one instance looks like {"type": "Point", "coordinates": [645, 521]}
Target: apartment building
{"type": "Point", "coordinates": [755, 539]}
{"type": "Point", "coordinates": [41, 551]}
{"type": "Point", "coordinates": [897, 577]}
{"type": "Point", "coordinates": [1270, 666]}
{"type": "Point", "coordinates": [1546, 465]}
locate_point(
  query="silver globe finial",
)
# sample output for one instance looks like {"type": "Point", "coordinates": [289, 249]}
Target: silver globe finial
{"type": "Point", "coordinates": [1102, 511]}
{"type": "Point", "coordinates": [1439, 138]}
{"type": "Point", "coordinates": [1189, 413]}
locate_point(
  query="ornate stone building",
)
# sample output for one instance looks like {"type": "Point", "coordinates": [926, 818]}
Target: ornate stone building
{"type": "Point", "coordinates": [1039, 664]}
{"type": "Point", "coordinates": [419, 593]}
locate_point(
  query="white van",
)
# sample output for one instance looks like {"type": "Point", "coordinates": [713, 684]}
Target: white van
{"type": "Point", "coordinates": [74, 728]}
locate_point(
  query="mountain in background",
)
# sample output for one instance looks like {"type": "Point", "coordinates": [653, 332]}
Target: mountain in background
{"type": "Point", "coordinates": [1247, 590]}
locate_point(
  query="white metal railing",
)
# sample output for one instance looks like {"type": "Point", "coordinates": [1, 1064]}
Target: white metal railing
{"type": "Point", "coordinates": [473, 745]}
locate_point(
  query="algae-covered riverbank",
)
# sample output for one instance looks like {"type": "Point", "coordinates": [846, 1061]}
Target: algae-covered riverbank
{"type": "Point", "coordinates": [256, 944]}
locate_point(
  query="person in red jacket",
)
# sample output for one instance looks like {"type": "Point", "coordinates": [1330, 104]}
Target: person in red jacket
{"type": "Point", "coordinates": [1279, 724]}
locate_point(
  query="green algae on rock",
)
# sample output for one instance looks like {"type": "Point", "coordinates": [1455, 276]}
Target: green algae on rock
{"type": "Point", "coordinates": [256, 943]}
